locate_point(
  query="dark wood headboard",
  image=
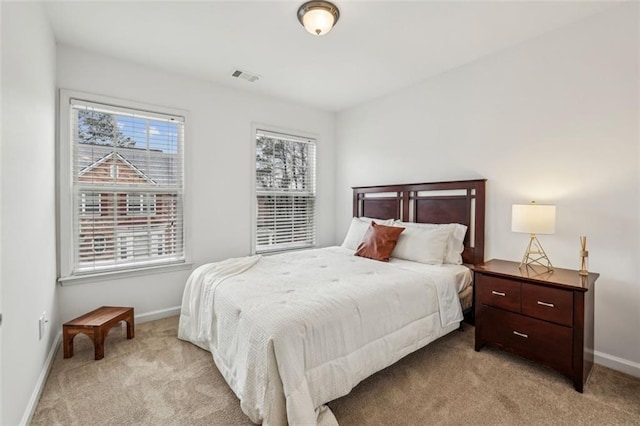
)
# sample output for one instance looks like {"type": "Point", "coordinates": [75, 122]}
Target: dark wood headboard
{"type": "Point", "coordinates": [435, 202]}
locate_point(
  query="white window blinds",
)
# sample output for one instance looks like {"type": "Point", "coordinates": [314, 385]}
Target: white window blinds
{"type": "Point", "coordinates": [127, 187]}
{"type": "Point", "coordinates": [285, 192]}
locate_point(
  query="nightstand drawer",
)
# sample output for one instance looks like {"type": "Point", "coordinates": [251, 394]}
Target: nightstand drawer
{"type": "Point", "coordinates": [530, 338]}
{"type": "Point", "coordinates": [498, 292]}
{"type": "Point", "coordinates": [548, 303]}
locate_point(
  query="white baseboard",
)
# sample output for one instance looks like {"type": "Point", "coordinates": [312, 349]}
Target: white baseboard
{"type": "Point", "coordinates": [156, 315]}
{"type": "Point", "coordinates": [615, 363]}
{"type": "Point", "coordinates": [46, 369]}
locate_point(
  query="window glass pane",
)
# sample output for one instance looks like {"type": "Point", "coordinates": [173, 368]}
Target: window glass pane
{"type": "Point", "coordinates": [121, 233]}
{"type": "Point", "coordinates": [114, 148]}
{"type": "Point", "coordinates": [284, 165]}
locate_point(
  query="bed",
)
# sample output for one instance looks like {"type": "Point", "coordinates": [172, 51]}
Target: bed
{"type": "Point", "coordinates": [292, 331]}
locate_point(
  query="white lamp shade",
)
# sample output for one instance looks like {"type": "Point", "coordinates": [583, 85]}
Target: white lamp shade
{"type": "Point", "coordinates": [533, 218]}
{"type": "Point", "coordinates": [318, 21]}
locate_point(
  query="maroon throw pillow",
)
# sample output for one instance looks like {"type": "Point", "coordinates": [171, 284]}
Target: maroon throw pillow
{"type": "Point", "coordinates": [379, 241]}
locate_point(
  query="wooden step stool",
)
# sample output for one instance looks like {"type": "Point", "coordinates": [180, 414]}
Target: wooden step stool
{"type": "Point", "coordinates": [96, 324]}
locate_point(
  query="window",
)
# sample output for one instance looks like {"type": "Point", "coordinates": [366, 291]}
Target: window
{"type": "Point", "coordinates": [99, 244]}
{"type": "Point", "coordinates": [125, 171]}
{"type": "Point", "coordinates": [285, 192]}
{"type": "Point", "coordinates": [90, 203]}
{"type": "Point", "coordinates": [141, 204]}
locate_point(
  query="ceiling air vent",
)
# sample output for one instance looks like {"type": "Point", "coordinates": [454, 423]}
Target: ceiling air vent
{"type": "Point", "coordinates": [246, 75]}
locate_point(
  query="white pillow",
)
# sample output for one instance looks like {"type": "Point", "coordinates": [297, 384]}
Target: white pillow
{"type": "Point", "coordinates": [422, 244]}
{"type": "Point", "coordinates": [358, 228]}
{"type": "Point", "coordinates": [455, 242]}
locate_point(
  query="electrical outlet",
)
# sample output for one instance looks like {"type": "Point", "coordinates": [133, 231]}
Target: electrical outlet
{"type": "Point", "coordinates": [41, 323]}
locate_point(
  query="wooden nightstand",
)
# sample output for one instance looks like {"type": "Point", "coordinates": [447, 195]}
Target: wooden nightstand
{"type": "Point", "coordinates": [543, 316]}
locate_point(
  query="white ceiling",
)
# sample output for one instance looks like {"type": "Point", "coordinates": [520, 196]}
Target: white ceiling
{"type": "Point", "coordinates": [375, 48]}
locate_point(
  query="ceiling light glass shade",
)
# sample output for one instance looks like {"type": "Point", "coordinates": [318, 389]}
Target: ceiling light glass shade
{"type": "Point", "coordinates": [533, 218]}
{"type": "Point", "coordinates": [318, 21]}
{"type": "Point", "coordinates": [318, 17]}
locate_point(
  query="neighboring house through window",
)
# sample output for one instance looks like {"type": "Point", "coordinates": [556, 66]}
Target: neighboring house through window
{"type": "Point", "coordinates": [125, 170]}
{"type": "Point", "coordinates": [285, 192]}
{"type": "Point", "coordinates": [90, 203]}
{"type": "Point", "coordinates": [141, 204]}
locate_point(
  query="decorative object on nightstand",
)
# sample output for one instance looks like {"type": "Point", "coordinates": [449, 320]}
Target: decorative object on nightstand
{"type": "Point", "coordinates": [584, 257]}
{"type": "Point", "coordinates": [534, 219]}
{"type": "Point", "coordinates": [544, 316]}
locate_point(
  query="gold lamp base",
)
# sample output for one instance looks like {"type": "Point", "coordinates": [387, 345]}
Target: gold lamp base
{"type": "Point", "coordinates": [535, 255]}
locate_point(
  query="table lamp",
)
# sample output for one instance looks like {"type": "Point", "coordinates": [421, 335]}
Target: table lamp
{"type": "Point", "coordinates": [534, 219]}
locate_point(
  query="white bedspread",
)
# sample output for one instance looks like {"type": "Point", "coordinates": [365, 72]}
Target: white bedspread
{"type": "Point", "coordinates": [291, 332]}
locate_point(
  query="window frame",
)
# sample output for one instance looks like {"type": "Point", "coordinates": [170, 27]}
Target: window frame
{"type": "Point", "coordinates": [65, 199]}
{"type": "Point", "coordinates": [255, 128]}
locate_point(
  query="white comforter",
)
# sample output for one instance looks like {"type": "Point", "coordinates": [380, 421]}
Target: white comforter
{"type": "Point", "coordinates": [293, 331]}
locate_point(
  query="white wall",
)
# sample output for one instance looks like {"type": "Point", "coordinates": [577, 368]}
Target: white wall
{"type": "Point", "coordinates": [27, 174]}
{"type": "Point", "coordinates": [218, 168]}
{"type": "Point", "coordinates": [553, 120]}
{"type": "Point", "coordinates": [1, 225]}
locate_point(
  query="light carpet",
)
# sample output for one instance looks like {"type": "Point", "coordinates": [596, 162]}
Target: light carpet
{"type": "Point", "coordinates": [156, 379]}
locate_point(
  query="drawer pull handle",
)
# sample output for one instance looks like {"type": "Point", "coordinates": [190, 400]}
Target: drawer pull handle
{"type": "Point", "coordinates": [498, 293]}
{"type": "Point", "coordinates": [520, 334]}
{"type": "Point", "coordinates": [550, 305]}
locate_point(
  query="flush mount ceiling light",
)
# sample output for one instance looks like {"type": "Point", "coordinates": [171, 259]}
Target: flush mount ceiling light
{"type": "Point", "coordinates": [318, 17]}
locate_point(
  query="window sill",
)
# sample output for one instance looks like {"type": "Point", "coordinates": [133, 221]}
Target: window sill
{"type": "Point", "coordinates": [128, 273]}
